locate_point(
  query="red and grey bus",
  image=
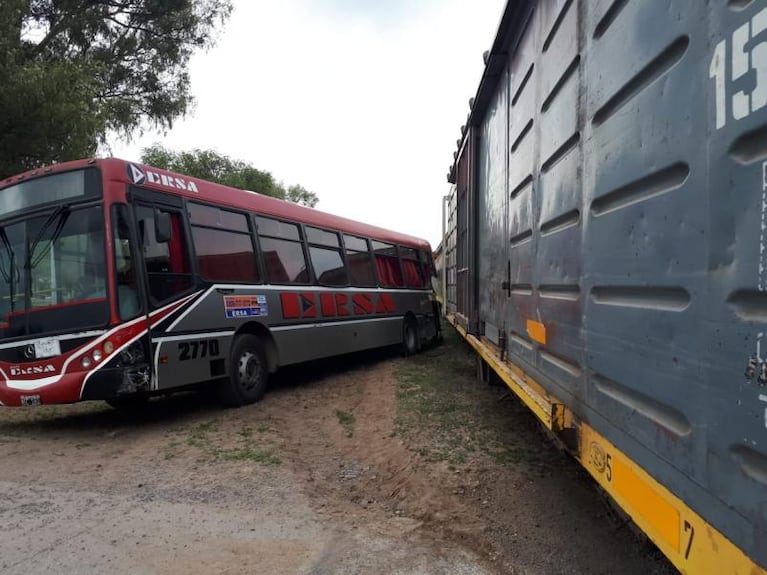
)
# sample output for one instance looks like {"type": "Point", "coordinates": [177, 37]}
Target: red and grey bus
{"type": "Point", "coordinates": [119, 281]}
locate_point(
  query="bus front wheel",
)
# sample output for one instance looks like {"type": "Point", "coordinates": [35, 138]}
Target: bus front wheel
{"type": "Point", "coordinates": [248, 373]}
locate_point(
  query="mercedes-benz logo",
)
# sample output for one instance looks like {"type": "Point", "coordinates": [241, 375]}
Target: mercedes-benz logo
{"type": "Point", "coordinates": [29, 351]}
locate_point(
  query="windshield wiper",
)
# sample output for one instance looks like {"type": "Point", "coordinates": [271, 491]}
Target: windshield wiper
{"type": "Point", "coordinates": [10, 275]}
{"type": "Point", "coordinates": [59, 216]}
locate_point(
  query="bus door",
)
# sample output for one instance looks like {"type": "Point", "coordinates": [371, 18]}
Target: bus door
{"type": "Point", "coordinates": [168, 278]}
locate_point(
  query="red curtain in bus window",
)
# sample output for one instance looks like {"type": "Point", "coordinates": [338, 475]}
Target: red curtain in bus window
{"type": "Point", "coordinates": [383, 271]}
{"type": "Point", "coordinates": [388, 271]}
{"type": "Point", "coordinates": [176, 252]}
{"type": "Point", "coordinates": [412, 273]}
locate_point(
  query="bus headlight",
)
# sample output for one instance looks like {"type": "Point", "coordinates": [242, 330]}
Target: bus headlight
{"type": "Point", "coordinates": [85, 362]}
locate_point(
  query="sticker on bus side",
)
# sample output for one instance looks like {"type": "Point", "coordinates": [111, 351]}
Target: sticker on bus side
{"type": "Point", "coordinates": [245, 306]}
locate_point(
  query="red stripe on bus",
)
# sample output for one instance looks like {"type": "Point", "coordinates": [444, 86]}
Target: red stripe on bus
{"type": "Point", "coordinates": [342, 304]}
{"type": "Point", "coordinates": [291, 308]}
{"type": "Point", "coordinates": [304, 305]}
{"type": "Point", "coordinates": [328, 304]}
{"type": "Point", "coordinates": [385, 304]}
{"type": "Point", "coordinates": [363, 304]}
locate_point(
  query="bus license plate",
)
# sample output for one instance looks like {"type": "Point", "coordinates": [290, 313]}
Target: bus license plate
{"type": "Point", "coordinates": [47, 348]}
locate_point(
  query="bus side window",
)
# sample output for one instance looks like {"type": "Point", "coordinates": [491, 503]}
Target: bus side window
{"type": "Point", "coordinates": [428, 269]}
{"type": "Point", "coordinates": [361, 270]}
{"type": "Point", "coordinates": [413, 276]}
{"type": "Point", "coordinates": [416, 267]}
{"type": "Point", "coordinates": [325, 253]}
{"type": "Point", "coordinates": [223, 244]}
{"type": "Point", "coordinates": [387, 265]}
{"type": "Point", "coordinates": [283, 252]}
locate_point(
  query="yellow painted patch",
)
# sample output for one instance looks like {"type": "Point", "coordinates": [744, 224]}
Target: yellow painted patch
{"type": "Point", "coordinates": [692, 544]}
{"type": "Point", "coordinates": [663, 517]}
{"type": "Point", "coordinates": [537, 331]}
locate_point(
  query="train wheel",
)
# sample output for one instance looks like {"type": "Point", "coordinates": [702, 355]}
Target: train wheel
{"type": "Point", "coordinates": [248, 373]}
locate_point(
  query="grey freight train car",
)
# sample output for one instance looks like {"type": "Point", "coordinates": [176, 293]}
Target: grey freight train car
{"type": "Point", "coordinates": [607, 253]}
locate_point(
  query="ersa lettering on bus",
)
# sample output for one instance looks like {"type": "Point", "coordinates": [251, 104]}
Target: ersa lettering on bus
{"type": "Point", "coordinates": [140, 175]}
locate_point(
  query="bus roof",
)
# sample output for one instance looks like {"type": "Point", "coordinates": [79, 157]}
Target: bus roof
{"type": "Point", "coordinates": [161, 180]}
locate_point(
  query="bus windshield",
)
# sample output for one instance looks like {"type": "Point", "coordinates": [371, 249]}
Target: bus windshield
{"type": "Point", "coordinates": [52, 272]}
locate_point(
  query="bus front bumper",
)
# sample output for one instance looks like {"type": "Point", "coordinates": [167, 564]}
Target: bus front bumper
{"type": "Point", "coordinates": [106, 383]}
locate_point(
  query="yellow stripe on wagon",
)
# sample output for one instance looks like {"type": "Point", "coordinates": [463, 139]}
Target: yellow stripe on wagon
{"type": "Point", "coordinates": [689, 542]}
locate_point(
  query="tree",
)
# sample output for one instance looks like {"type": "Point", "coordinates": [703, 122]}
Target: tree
{"type": "Point", "coordinates": [300, 195]}
{"type": "Point", "coordinates": [215, 167]}
{"type": "Point", "coordinates": [73, 70]}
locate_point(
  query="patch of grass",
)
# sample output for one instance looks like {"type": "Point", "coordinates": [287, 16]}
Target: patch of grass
{"type": "Point", "coordinates": [347, 421]}
{"type": "Point", "coordinates": [215, 444]}
{"type": "Point", "coordinates": [200, 435]}
{"type": "Point", "coordinates": [447, 415]}
{"type": "Point", "coordinates": [206, 427]}
{"type": "Point", "coordinates": [344, 418]}
{"type": "Point", "coordinates": [265, 456]}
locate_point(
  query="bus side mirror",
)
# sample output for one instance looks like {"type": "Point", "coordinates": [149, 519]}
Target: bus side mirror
{"type": "Point", "coordinates": [162, 229]}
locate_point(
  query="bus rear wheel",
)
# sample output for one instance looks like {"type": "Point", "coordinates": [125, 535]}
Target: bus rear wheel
{"type": "Point", "coordinates": [410, 343]}
{"type": "Point", "coordinates": [248, 373]}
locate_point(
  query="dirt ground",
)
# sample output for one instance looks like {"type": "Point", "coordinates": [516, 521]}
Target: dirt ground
{"type": "Point", "coordinates": [368, 464]}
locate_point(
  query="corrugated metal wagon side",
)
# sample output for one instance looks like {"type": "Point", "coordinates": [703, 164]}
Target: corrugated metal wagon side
{"type": "Point", "coordinates": [608, 232]}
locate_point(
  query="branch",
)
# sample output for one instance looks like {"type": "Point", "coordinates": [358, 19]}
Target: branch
{"type": "Point", "coordinates": [54, 31]}
{"type": "Point", "coordinates": [131, 26]}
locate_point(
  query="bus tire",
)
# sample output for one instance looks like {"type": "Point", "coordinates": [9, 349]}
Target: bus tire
{"type": "Point", "coordinates": [410, 343]}
{"type": "Point", "coordinates": [248, 373]}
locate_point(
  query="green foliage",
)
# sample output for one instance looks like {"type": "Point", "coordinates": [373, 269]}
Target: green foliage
{"type": "Point", "coordinates": [215, 444]}
{"type": "Point", "coordinates": [48, 114]}
{"type": "Point", "coordinates": [72, 70]}
{"type": "Point", "coordinates": [347, 421]}
{"type": "Point", "coordinates": [300, 195]}
{"type": "Point", "coordinates": [215, 167]}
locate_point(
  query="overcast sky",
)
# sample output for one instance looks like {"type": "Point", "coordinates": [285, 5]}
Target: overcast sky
{"type": "Point", "coordinates": [360, 101]}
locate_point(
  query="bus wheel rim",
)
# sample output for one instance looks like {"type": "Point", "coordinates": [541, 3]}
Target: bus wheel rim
{"type": "Point", "coordinates": [249, 371]}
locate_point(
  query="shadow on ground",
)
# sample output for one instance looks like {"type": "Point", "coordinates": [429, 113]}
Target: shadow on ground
{"type": "Point", "coordinates": [177, 408]}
